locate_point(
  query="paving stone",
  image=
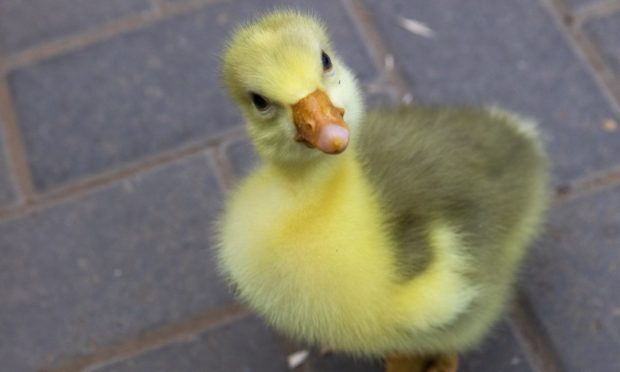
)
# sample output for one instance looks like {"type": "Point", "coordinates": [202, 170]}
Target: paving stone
{"type": "Point", "coordinates": [247, 345]}
{"type": "Point", "coordinates": [604, 32]}
{"type": "Point", "coordinates": [7, 191]}
{"type": "Point", "coordinates": [499, 353]}
{"type": "Point", "coordinates": [572, 282]}
{"type": "Point", "coordinates": [507, 53]}
{"type": "Point", "coordinates": [24, 24]}
{"type": "Point", "coordinates": [122, 100]}
{"type": "Point", "coordinates": [109, 265]}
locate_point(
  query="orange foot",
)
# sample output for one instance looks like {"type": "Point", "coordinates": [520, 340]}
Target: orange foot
{"type": "Point", "coordinates": [325, 351]}
{"type": "Point", "coordinates": [409, 363]}
{"type": "Point", "coordinates": [443, 363]}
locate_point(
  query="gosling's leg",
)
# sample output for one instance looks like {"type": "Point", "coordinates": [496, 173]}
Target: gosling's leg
{"type": "Point", "coordinates": [410, 363]}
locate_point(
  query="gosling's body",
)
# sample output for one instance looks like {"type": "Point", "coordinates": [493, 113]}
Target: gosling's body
{"type": "Point", "coordinates": [391, 247]}
{"type": "Point", "coordinates": [408, 240]}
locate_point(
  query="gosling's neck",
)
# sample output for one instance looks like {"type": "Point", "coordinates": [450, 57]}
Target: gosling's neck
{"type": "Point", "coordinates": [316, 174]}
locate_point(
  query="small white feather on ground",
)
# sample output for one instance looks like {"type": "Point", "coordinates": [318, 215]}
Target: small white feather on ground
{"type": "Point", "coordinates": [389, 62]}
{"type": "Point", "coordinates": [297, 358]}
{"type": "Point", "coordinates": [415, 27]}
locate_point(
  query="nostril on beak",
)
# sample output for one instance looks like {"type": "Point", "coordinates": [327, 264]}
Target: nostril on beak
{"type": "Point", "coordinates": [310, 127]}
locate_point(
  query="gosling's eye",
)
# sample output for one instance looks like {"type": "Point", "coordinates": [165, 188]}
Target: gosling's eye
{"type": "Point", "coordinates": [261, 103]}
{"type": "Point", "coordinates": [326, 61]}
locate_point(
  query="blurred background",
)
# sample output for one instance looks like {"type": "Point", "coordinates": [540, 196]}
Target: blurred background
{"type": "Point", "coordinates": [117, 144]}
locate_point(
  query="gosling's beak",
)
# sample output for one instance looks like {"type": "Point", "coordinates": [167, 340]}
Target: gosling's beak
{"type": "Point", "coordinates": [319, 123]}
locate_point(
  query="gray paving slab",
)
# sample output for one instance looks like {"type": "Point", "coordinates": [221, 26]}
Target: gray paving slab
{"type": "Point", "coordinates": [572, 282]}
{"type": "Point", "coordinates": [8, 195]}
{"type": "Point", "coordinates": [24, 24]}
{"type": "Point", "coordinates": [500, 352]}
{"type": "Point", "coordinates": [103, 268]}
{"type": "Point", "coordinates": [508, 53]}
{"type": "Point", "coordinates": [122, 100]}
{"type": "Point", "coordinates": [604, 33]}
{"type": "Point", "coordinates": [247, 345]}
{"type": "Point", "coordinates": [144, 92]}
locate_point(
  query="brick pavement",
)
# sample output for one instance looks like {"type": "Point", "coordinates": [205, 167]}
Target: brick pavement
{"type": "Point", "coordinates": [117, 144]}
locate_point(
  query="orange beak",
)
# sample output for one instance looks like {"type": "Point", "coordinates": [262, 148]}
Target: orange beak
{"type": "Point", "coordinates": [320, 124]}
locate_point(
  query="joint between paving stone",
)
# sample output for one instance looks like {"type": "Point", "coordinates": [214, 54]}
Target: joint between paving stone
{"type": "Point", "coordinates": [151, 340]}
{"type": "Point", "coordinates": [222, 167]}
{"type": "Point", "coordinates": [375, 44]}
{"type": "Point", "coordinates": [157, 5]}
{"type": "Point", "coordinates": [74, 42]}
{"type": "Point", "coordinates": [102, 33]}
{"type": "Point", "coordinates": [588, 53]}
{"type": "Point", "coordinates": [98, 181]}
{"type": "Point", "coordinates": [587, 12]}
{"type": "Point", "coordinates": [17, 157]}
{"type": "Point", "coordinates": [12, 212]}
{"type": "Point", "coordinates": [532, 337]}
{"type": "Point", "coordinates": [587, 185]}
{"type": "Point", "coordinates": [603, 74]}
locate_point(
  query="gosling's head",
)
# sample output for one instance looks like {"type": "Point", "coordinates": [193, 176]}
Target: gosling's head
{"type": "Point", "coordinates": [299, 100]}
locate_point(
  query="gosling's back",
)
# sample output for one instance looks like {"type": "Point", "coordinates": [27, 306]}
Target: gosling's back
{"type": "Point", "coordinates": [482, 170]}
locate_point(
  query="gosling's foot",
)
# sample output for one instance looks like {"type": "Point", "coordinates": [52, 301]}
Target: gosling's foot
{"type": "Point", "coordinates": [443, 363]}
{"type": "Point", "coordinates": [325, 351]}
{"type": "Point", "coordinates": [411, 363]}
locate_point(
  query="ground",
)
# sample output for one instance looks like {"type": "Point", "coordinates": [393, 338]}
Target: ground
{"type": "Point", "coordinates": [117, 144]}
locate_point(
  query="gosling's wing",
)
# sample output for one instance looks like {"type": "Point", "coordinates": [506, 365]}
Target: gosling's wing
{"type": "Point", "coordinates": [474, 168]}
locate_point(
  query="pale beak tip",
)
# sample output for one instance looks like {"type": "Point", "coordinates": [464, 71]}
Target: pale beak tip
{"type": "Point", "coordinates": [333, 139]}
